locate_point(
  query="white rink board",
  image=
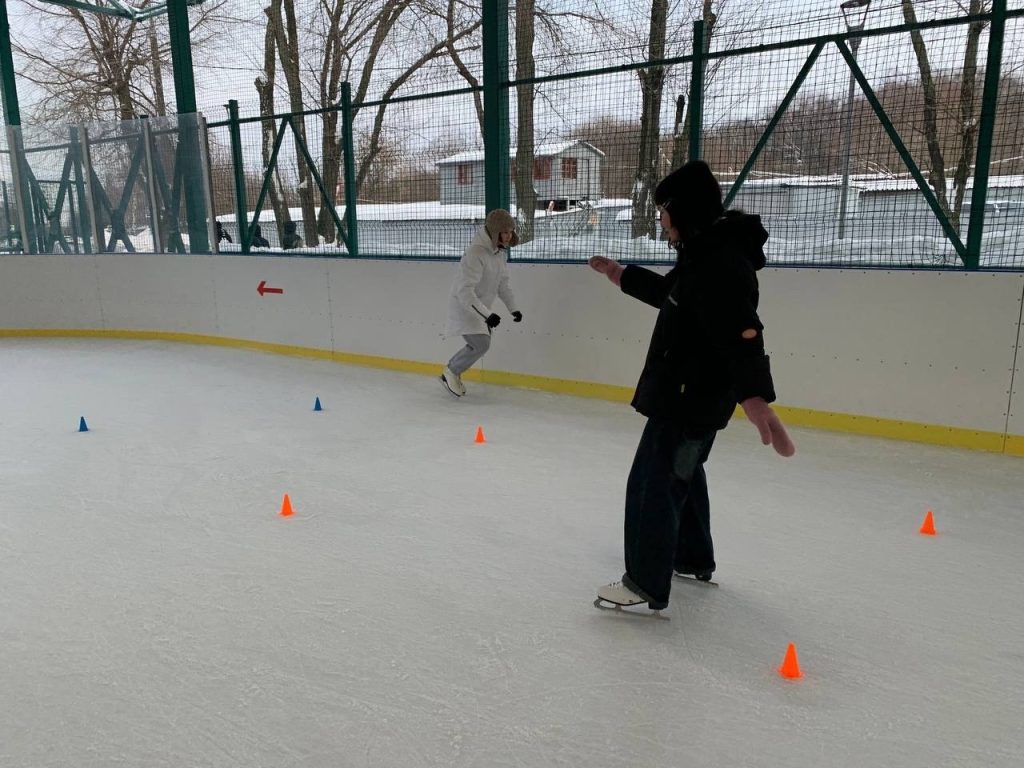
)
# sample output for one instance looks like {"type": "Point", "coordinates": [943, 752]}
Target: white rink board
{"type": "Point", "coordinates": [49, 292]}
{"type": "Point", "coordinates": [925, 347]}
{"type": "Point", "coordinates": [1015, 423]}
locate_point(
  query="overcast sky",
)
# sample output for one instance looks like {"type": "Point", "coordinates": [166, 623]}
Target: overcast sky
{"type": "Point", "coordinates": [743, 87]}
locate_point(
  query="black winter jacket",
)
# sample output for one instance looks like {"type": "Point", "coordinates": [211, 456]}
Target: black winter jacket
{"type": "Point", "coordinates": [699, 365]}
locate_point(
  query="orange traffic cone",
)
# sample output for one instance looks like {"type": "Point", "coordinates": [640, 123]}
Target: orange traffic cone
{"type": "Point", "coordinates": [790, 668]}
{"type": "Point", "coordinates": [286, 507]}
{"type": "Point", "coordinates": [928, 526]}
{"type": "Point", "coordinates": [480, 435]}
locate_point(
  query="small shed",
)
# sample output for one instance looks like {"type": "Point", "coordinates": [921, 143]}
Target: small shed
{"type": "Point", "coordinates": [564, 174]}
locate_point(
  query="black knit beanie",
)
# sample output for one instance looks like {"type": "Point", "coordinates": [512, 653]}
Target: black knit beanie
{"type": "Point", "coordinates": [692, 197]}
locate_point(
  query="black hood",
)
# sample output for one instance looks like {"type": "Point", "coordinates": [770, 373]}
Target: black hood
{"type": "Point", "coordinates": [742, 231]}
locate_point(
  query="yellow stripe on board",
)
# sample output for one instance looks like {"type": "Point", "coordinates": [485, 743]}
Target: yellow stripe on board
{"type": "Point", "coordinates": [934, 434]}
{"type": "Point", "coordinates": [955, 437]}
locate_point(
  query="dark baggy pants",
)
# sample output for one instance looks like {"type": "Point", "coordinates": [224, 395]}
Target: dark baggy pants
{"type": "Point", "coordinates": [668, 514]}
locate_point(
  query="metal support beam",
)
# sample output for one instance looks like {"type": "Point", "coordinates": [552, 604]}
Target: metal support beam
{"type": "Point", "coordinates": [904, 153]}
{"type": "Point", "coordinates": [12, 120]}
{"type": "Point", "coordinates": [12, 111]}
{"type": "Point", "coordinates": [86, 227]}
{"type": "Point", "coordinates": [237, 161]}
{"type": "Point", "coordinates": [92, 192]}
{"type": "Point", "coordinates": [986, 130]}
{"type": "Point", "coordinates": [496, 93]}
{"type": "Point", "coordinates": [773, 123]}
{"type": "Point", "coordinates": [117, 8]}
{"type": "Point", "coordinates": [152, 194]}
{"type": "Point", "coordinates": [349, 159]}
{"type": "Point", "coordinates": [189, 147]}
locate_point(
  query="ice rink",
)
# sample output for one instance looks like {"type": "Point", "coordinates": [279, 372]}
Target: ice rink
{"type": "Point", "coordinates": [430, 602]}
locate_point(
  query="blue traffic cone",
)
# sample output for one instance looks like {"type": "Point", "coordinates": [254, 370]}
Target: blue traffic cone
{"type": "Point", "coordinates": [82, 427]}
{"type": "Point", "coordinates": [317, 406]}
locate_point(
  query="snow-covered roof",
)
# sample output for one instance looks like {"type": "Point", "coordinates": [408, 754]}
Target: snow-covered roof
{"type": "Point", "coordinates": [868, 183]}
{"type": "Point", "coordinates": [541, 150]}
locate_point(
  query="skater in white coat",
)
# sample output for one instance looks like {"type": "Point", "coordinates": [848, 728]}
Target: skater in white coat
{"type": "Point", "coordinates": [482, 277]}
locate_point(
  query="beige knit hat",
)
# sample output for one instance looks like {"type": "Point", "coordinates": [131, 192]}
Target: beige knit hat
{"type": "Point", "coordinates": [499, 220]}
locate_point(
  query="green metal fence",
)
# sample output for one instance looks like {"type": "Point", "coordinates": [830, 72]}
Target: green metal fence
{"type": "Point", "coordinates": [882, 143]}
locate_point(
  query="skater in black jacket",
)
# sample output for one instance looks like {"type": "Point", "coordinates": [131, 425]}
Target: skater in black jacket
{"type": "Point", "coordinates": [706, 355]}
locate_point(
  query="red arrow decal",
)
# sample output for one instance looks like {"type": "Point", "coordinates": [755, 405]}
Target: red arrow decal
{"type": "Point", "coordinates": [262, 288]}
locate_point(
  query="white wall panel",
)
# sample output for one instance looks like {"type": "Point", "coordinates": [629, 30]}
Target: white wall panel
{"type": "Point", "coordinates": [298, 317]}
{"type": "Point", "coordinates": [926, 347]}
{"type": "Point", "coordinates": [576, 326]}
{"type": "Point", "coordinates": [145, 292]}
{"type": "Point", "coordinates": [931, 347]}
{"type": "Point", "coordinates": [49, 292]}
{"type": "Point", "coordinates": [390, 308]}
{"type": "Point", "coordinates": [1016, 416]}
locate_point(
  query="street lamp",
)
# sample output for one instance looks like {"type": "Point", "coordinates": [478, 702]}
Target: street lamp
{"type": "Point", "coordinates": [855, 14]}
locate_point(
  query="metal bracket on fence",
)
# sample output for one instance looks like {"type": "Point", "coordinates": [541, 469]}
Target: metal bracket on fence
{"type": "Point", "coordinates": [325, 196]}
{"type": "Point", "coordinates": [22, 195]}
{"type": "Point", "coordinates": [351, 237]}
{"type": "Point", "coordinates": [983, 158]}
{"type": "Point", "coordinates": [90, 191]}
{"type": "Point", "coordinates": [904, 153]}
{"type": "Point", "coordinates": [151, 192]}
{"type": "Point", "coordinates": [774, 122]}
{"type": "Point", "coordinates": [204, 169]}
{"type": "Point", "coordinates": [237, 160]}
{"type": "Point", "coordinates": [84, 229]}
{"type": "Point", "coordinates": [118, 228]}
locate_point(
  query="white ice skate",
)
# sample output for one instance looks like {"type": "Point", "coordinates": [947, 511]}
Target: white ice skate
{"type": "Point", "coordinates": [616, 596]}
{"type": "Point", "coordinates": [453, 382]}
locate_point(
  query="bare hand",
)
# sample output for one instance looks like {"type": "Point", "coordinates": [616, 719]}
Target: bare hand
{"type": "Point", "coordinates": [769, 425]}
{"type": "Point", "coordinates": [608, 267]}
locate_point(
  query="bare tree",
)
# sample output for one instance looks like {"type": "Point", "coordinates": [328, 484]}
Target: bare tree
{"type": "Point", "coordinates": [354, 36]}
{"type": "Point", "coordinates": [651, 82]}
{"type": "Point", "coordinates": [265, 87]}
{"type": "Point", "coordinates": [286, 38]}
{"type": "Point", "coordinates": [92, 66]}
{"type": "Point", "coordinates": [681, 134]}
{"type": "Point", "coordinates": [968, 113]}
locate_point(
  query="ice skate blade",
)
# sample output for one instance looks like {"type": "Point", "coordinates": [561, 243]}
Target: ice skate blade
{"type": "Point", "coordinates": [448, 389]}
{"type": "Point", "coordinates": [694, 579]}
{"type": "Point", "coordinates": [645, 613]}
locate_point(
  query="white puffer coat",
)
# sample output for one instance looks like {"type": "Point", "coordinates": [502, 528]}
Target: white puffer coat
{"type": "Point", "coordinates": [482, 277]}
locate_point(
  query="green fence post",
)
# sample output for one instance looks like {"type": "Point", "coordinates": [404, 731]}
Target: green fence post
{"type": "Point", "coordinates": [16, 145]}
{"type": "Point", "coordinates": [349, 158]}
{"type": "Point", "coordinates": [496, 125]}
{"type": "Point", "coordinates": [697, 90]}
{"type": "Point", "coordinates": [85, 225]}
{"type": "Point", "coordinates": [152, 194]}
{"type": "Point", "coordinates": [185, 97]}
{"type": "Point", "coordinates": [986, 131]}
{"type": "Point", "coordinates": [241, 198]}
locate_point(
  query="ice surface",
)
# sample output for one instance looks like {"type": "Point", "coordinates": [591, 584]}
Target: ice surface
{"type": "Point", "coordinates": [430, 602]}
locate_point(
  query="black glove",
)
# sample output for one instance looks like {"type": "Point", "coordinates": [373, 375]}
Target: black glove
{"type": "Point", "coordinates": [493, 320]}
{"type": "Point", "coordinates": [517, 317]}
